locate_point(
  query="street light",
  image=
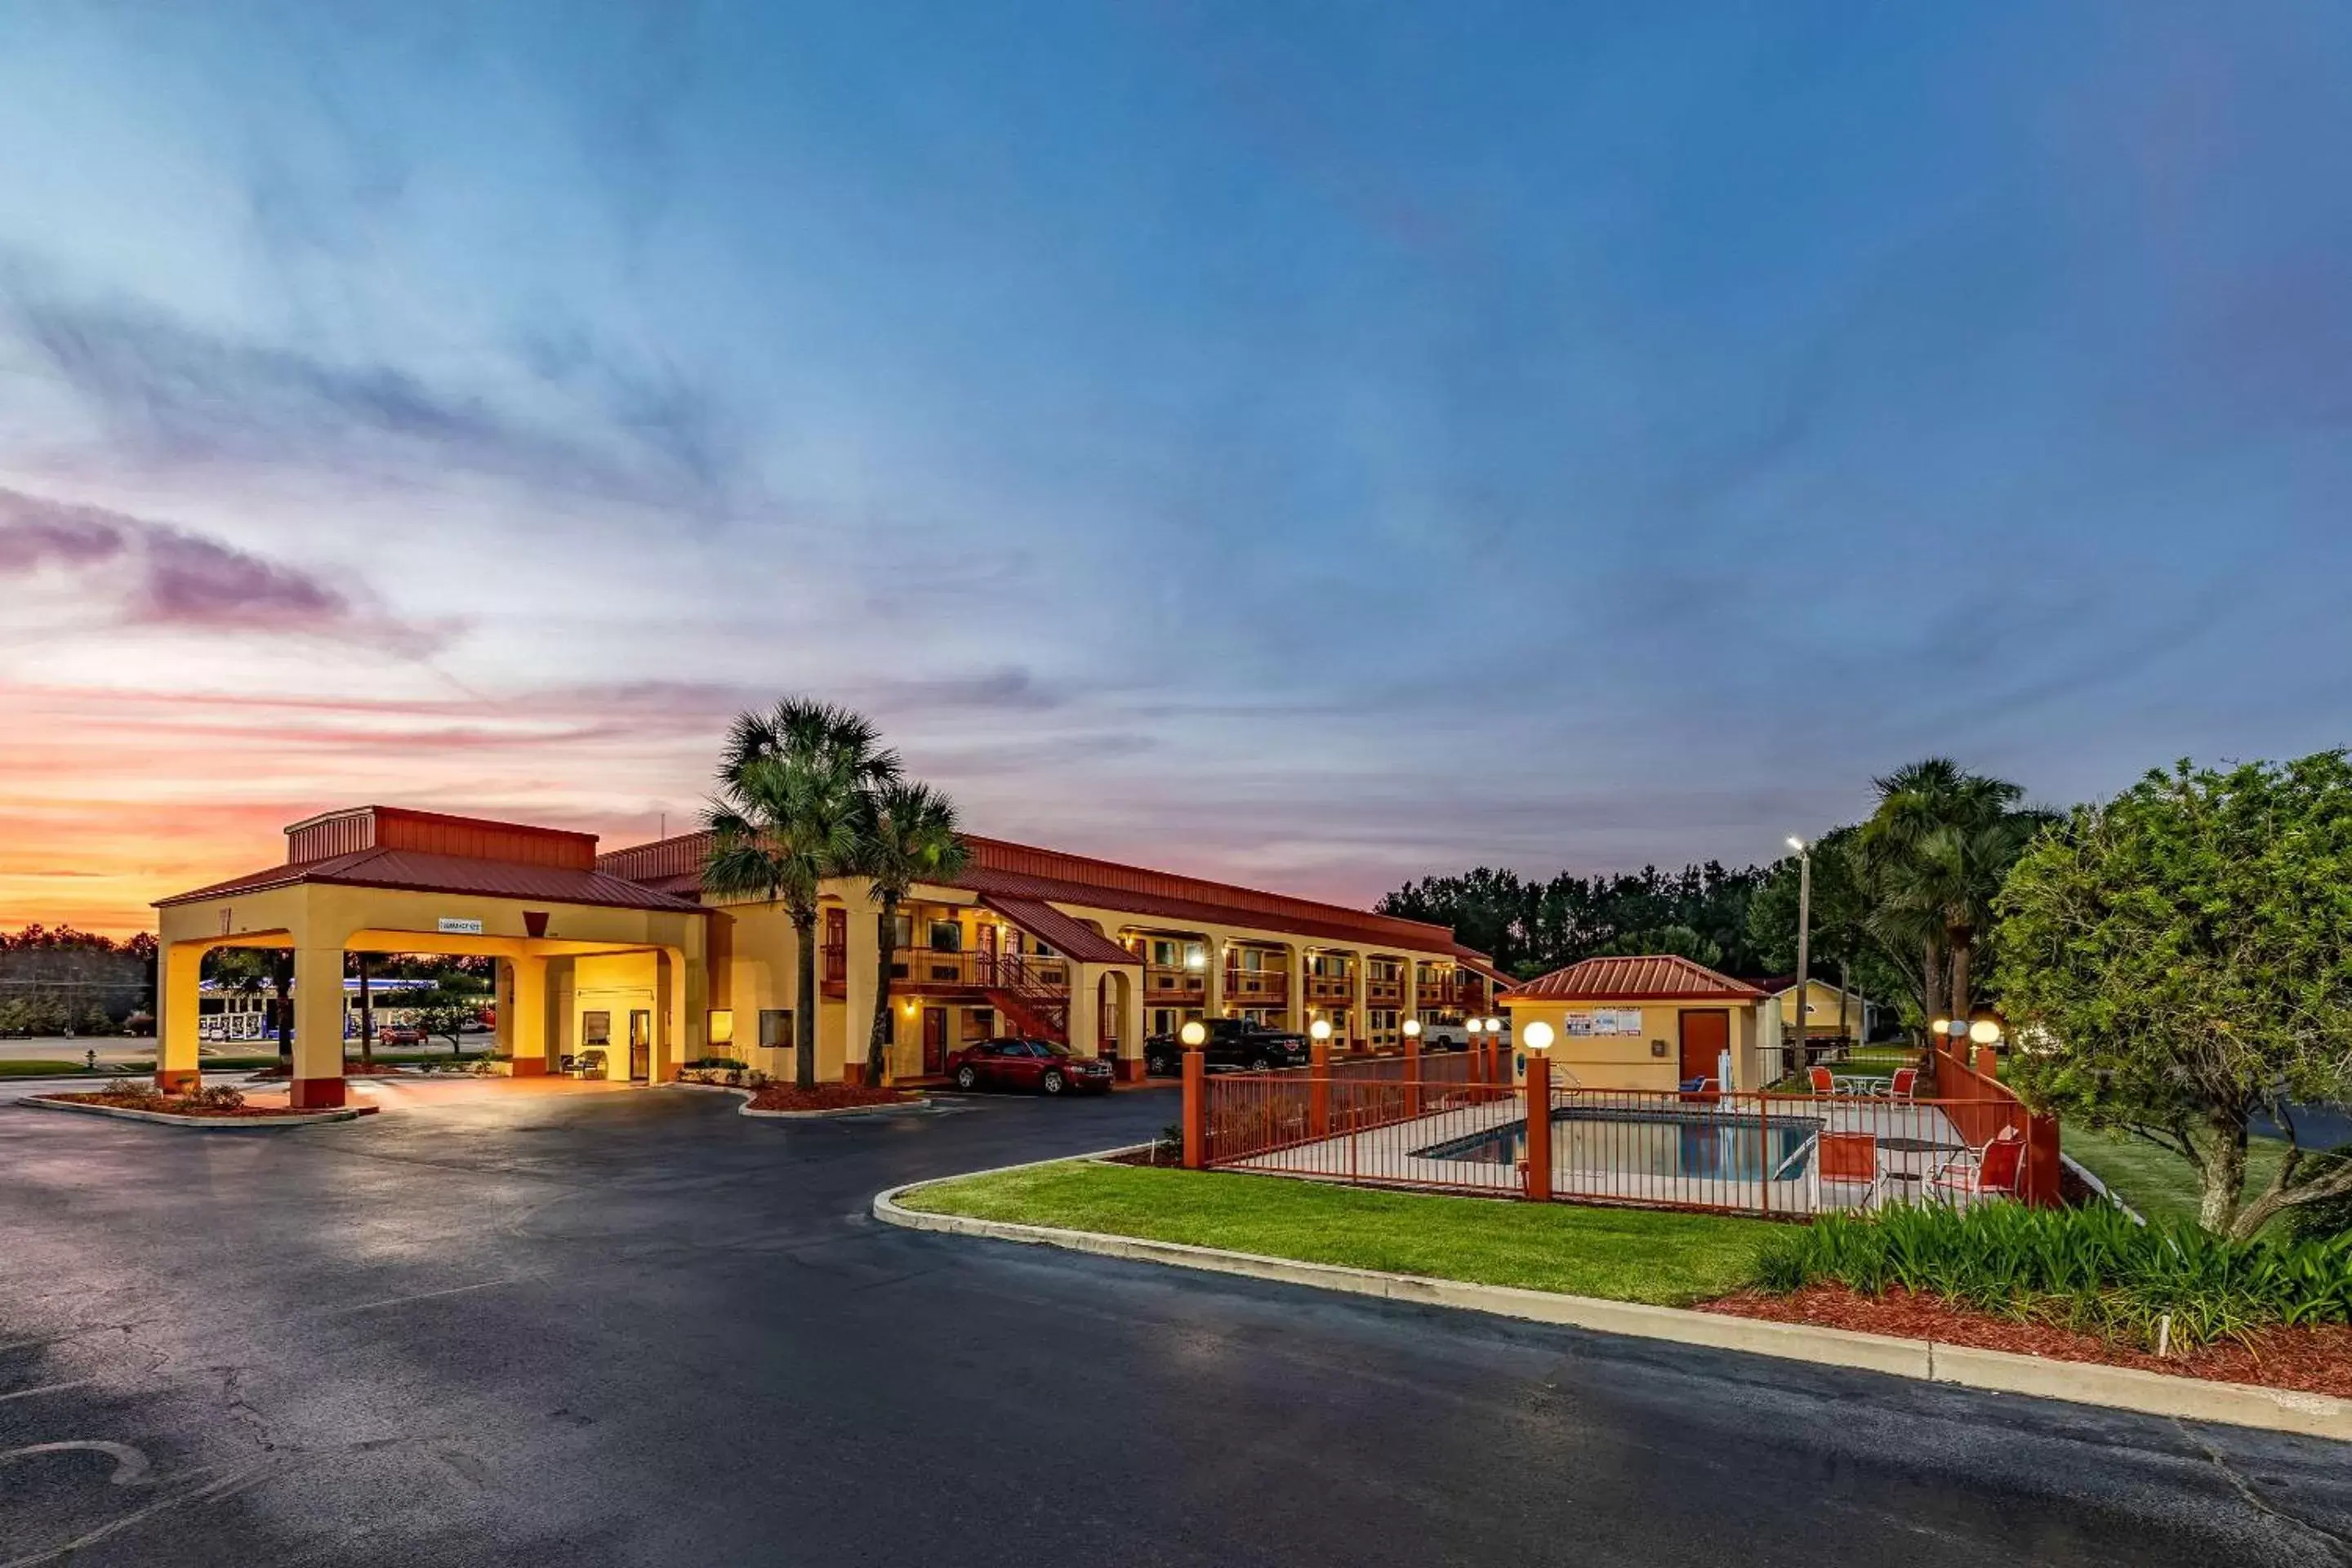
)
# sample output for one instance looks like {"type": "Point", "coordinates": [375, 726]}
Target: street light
{"type": "Point", "coordinates": [1320, 1031]}
{"type": "Point", "coordinates": [1536, 1036]}
{"type": "Point", "coordinates": [1412, 1028]}
{"type": "Point", "coordinates": [1194, 1034]}
{"type": "Point", "coordinates": [1472, 1026]}
{"type": "Point", "coordinates": [1494, 1026]}
{"type": "Point", "coordinates": [1805, 942]}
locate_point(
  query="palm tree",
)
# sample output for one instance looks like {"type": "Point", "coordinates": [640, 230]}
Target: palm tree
{"type": "Point", "coordinates": [1934, 855]}
{"type": "Point", "coordinates": [910, 836]}
{"type": "Point", "coordinates": [794, 788]}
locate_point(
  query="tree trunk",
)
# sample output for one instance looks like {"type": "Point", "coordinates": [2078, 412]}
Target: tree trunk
{"type": "Point", "coordinates": [1961, 943]}
{"type": "Point", "coordinates": [367, 1020]}
{"type": "Point", "coordinates": [2225, 1174]}
{"type": "Point", "coordinates": [1931, 981]}
{"type": "Point", "coordinates": [1845, 989]}
{"type": "Point", "coordinates": [804, 998]}
{"type": "Point", "coordinates": [885, 934]}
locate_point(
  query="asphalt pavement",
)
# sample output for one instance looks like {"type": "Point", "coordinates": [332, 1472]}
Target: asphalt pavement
{"type": "Point", "coordinates": [500, 1326]}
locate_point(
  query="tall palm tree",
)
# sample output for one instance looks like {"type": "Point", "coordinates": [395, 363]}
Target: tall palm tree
{"type": "Point", "coordinates": [910, 836]}
{"type": "Point", "coordinates": [793, 799]}
{"type": "Point", "coordinates": [1934, 856]}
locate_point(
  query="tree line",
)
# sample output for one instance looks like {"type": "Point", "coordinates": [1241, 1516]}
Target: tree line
{"type": "Point", "coordinates": [55, 980]}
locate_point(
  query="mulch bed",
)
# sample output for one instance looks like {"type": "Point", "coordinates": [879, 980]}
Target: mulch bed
{"type": "Point", "coordinates": [193, 1113]}
{"type": "Point", "coordinates": [1155, 1155]}
{"type": "Point", "coordinates": [829, 1096]}
{"type": "Point", "coordinates": [2315, 1360]}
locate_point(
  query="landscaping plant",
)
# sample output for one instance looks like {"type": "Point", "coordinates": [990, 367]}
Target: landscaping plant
{"type": "Point", "coordinates": [2177, 960]}
{"type": "Point", "coordinates": [2093, 1270]}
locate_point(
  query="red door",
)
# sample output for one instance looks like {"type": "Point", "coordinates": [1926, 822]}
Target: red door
{"type": "Point", "coordinates": [935, 1040]}
{"type": "Point", "coordinates": [1706, 1035]}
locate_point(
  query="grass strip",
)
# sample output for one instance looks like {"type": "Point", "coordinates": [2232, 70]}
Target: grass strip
{"type": "Point", "coordinates": [1625, 1254]}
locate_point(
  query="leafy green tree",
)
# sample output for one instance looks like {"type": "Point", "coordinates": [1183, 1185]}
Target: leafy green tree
{"type": "Point", "coordinates": [2180, 959]}
{"type": "Point", "coordinates": [1683, 941]}
{"type": "Point", "coordinates": [794, 788]}
{"type": "Point", "coordinates": [910, 835]}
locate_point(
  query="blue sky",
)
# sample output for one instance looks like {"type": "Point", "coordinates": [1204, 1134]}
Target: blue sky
{"type": "Point", "coordinates": [1311, 444]}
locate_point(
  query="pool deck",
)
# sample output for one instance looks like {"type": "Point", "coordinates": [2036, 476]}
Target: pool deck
{"type": "Point", "coordinates": [1395, 1155]}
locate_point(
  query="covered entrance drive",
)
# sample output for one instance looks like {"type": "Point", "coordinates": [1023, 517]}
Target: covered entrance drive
{"type": "Point", "coordinates": [586, 961]}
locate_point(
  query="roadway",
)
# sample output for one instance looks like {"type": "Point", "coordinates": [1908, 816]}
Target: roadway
{"type": "Point", "coordinates": [578, 1325]}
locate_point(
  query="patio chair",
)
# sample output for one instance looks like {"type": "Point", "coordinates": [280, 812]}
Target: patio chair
{"type": "Point", "coordinates": [1997, 1169]}
{"type": "Point", "coordinates": [1821, 1079]}
{"type": "Point", "coordinates": [1903, 1084]}
{"type": "Point", "coordinates": [1844, 1161]}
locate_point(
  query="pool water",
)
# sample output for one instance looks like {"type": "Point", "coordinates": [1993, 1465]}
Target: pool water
{"type": "Point", "coordinates": [1701, 1144]}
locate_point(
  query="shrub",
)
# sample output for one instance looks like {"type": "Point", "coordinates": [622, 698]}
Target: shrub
{"type": "Point", "coordinates": [2092, 1269]}
{"type": "Point", "coordinates": [219, 1097]}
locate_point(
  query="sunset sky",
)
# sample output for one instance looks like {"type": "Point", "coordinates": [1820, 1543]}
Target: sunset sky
{"type": "Point", "coordinates": [1309, 445]}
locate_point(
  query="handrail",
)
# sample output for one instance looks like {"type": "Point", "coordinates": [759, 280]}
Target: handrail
{"type": "Point", "coordinates": [1802, 1150]}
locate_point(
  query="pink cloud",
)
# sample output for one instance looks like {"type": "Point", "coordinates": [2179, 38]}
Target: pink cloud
{"type": "Point", "coordinates": [174, 578]}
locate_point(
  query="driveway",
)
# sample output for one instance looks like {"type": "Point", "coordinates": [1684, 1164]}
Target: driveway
{"type": "Point", "coordinates": [492, 1327]}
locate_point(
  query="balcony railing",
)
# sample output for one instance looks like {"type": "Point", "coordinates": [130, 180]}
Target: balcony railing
{"type": "Point", "coordinates": [1390, 993]}
{"type": "Point", "coordinates": [1331, 988]}
{"type": "Point", "coordinates": [1444, 991]}
{"type": "Point", "coordinates": [1256, 987]}
{"type": "Point", "coordinates": [924, 969]}
{"type": "Point", "coordinates": [1162, 982]}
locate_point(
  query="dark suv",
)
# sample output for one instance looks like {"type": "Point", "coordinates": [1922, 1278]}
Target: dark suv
{"type": "Point", "coordinates": [1232, 1043]}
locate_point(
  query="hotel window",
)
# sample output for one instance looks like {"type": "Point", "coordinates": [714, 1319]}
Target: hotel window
{"type": "Point", "coordinates": [1163, 954]}
{"type": "Point", "coordinates": [775, 1028]}
{"type": "Point", "coordinates": [723, 1026]}
{"type": "Point", "coordinates": [902, 931]}
{"type": "Point", "coordinates": [1252, 958]}
{"type": "Point", "coordinates": [595, 1028]}
{"type": "Point", "coordinates": [947, 936]}
{"type": "Point", "coordinates": [1163, 1020]}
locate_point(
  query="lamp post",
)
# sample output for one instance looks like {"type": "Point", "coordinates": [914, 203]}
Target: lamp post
{"type": "Point", "coordinates": [1195, 1033]}
{"type": "Point", "coordinates": [1537, 1038]}
{"type": "Point", "coordinates": [1804, 943]}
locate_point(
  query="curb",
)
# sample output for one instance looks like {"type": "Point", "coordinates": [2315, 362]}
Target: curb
{"type": "Point", "coordinates": [1995, 1372]}
{"type": "Point", "coordinates": [924, 1106]}
{"type": "Point", "coordinates": [202, 1123]}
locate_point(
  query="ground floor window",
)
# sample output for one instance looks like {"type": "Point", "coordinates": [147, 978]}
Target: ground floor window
{"type": "Point", "coordinates": [595, 1028]}
{"type": "Point", "coordinates": [775, 1028]}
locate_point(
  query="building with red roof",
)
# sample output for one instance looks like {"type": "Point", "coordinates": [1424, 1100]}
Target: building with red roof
{"type": "Point", "coordinates": [1651, 1022]}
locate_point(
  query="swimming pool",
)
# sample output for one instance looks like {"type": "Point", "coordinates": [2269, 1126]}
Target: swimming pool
{"type": "Point", "coordinates": [1719, 1146]}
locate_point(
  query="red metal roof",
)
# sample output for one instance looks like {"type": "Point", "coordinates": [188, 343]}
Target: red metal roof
{"type": "Point", "coordinates": [409, 870]}
{"type": "Point", "coordinates": [358, 828]}
{"type": "Point", "coordinates": [1071, 938]}
{"type": "Point", "coordinates": [1001, 868]}
{"type": "Point", "coordinates": [1662, 978]}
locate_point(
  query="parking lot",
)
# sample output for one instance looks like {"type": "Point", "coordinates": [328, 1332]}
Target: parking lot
{"type": "Point", "coordinates": [507, 1324]}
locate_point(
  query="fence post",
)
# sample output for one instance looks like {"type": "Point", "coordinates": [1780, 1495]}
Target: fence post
{"type": "Point", "coordinates": [1764, 1134]}
{"type": "Point", "coordinates": [1412, 1075]}
{"type": "Point", "coordinates": [1196, 1109]}
{"type": "Point", "coordinates": [1319, 1089]}
{"type": "Point", "coordinates": [1988, 1062]}
{"type": "Point", "coordinates": [1539, 1127]}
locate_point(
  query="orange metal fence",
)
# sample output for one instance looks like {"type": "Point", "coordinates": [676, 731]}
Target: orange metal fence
{"type": "Point", "coordinates": [1453, 1123]}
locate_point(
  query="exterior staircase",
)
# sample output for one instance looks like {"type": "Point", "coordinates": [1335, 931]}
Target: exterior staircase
{"type": "Point", "coordinates": [1034, 1009]}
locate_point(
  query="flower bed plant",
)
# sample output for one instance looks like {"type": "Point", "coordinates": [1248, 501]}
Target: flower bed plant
{"type": "Point", "coordinates": [829, 1096]}
{"type": "Point", "coordinates": [219, 1101]}
{"type": "Point", "coordinates": [2087, 1270]}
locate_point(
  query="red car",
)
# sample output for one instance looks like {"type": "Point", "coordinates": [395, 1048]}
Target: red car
{"type": "Point", "coordinates": [1041, 1065]}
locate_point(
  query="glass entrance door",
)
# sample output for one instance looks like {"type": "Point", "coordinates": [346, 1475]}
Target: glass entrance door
{"type": "Point", "coordinates": [641, 1046]}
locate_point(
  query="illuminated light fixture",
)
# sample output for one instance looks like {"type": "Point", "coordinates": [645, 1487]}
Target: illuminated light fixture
{"type": "Point", "coordinates": [1320, 1029]}
{"type": "Point", "coordinates": [1796, 844]}
{"type": "Point", "coordinates": [1940, 1026]}
{"type": "Point", "coordinates": [1536, 1036]}
{"type": "Point", "coordinates": [1494, 1026]}
{"type": "Point", "coordinates": [1413, 1029]}
{"type": "Point", "coordinates": [1194, 1034]}
{"type": "Point", "coordinates": [1984, 1026]}
{"type": "Point", "coordinates": [1196, 958]}
{"type": "Point", "coordinates": [1471, 1025]}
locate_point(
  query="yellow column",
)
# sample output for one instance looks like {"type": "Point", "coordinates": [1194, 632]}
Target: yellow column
{"type": "Point", "coordinates": [1361, 1023]}
{"type": "Point", "coordinates": [1213, 997]}
{"type": "Point", "coordinates": [863, 980]}
{"type": "Point", "coordinates": [669, 1000]}
{"type": "Point", "coordinates": [522, 1014]}
{"type": "Point", "coordinates": [1296, 1020]}
{"type": "Point", "coordinates": [318, 1028]}
{"type": "Point", "coordinates": [1130, 1027]}
{"type": "Point", "coordinates": [1086, 1007]}
{"type": "Point", "coordinates": [176, 969]}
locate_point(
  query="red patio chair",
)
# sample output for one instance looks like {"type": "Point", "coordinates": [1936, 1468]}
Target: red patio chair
{"type": "Point", "coordinates": [1822, 1081]}
{"type": "Point", "coordinates": [1903, 1084]}
{"type": "Point", "coordinates": [1847, 1160]}
{"type": "Point", "coordinates": [1997, 1169]}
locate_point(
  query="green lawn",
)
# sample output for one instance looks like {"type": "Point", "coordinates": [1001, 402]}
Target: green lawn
{"type": "Point", "coordinates": [1625, 1254]}
{"type": "Point", "coordinates": [2158, 1182]}
{"type": "Point", "coordinates": [45, 1070]}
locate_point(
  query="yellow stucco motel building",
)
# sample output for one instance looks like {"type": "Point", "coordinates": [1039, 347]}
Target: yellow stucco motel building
{"type": "Point", "coordinates": [624, 954]}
